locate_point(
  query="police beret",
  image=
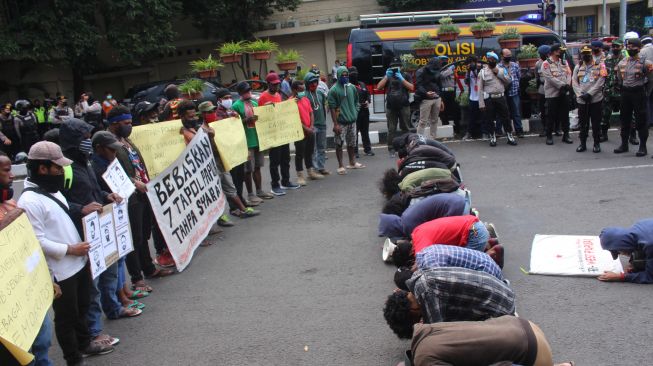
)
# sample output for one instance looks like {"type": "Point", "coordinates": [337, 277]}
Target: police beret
{"type": "Point", "coordinates": [618, 42]}
{"type": "Point", "coordinates": [586, 49]}
{"type": "Point", "coordinates": [597, 44]}
{"type": "Point", "coordinates": [544, 49]}
{"type": "Point", "coordinates": [556, 47]}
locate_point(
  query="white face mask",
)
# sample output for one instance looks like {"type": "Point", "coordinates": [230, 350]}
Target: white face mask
{"type": "Point", "coordinates": [226, 103]}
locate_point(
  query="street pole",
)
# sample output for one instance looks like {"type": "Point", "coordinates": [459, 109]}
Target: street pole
{"type": "Point", "coordinates": [604, 27]}
{"type": "Point", "coordinates": [622, 18]}
{"type": "Point", "coordinates": [563, 20]}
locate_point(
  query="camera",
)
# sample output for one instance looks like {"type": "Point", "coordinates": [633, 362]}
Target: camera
{"type": "Point", "coordinates": [395, 70]}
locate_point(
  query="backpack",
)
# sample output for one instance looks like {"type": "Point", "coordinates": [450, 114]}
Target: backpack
{"type": "Point", "coordinates": [397, 95]}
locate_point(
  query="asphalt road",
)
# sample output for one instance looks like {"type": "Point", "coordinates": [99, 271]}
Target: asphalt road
{"type": "Point", "coordinates": [304, 284]}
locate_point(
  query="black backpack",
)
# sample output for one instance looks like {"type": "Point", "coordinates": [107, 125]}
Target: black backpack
{"type": "Point", "coordinates": [397, 96]}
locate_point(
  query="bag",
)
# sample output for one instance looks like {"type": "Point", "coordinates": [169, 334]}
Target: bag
{"type": "Point", "coordinates": [397, 96]}
{"type": "Point", "coordinates": [434, 186]}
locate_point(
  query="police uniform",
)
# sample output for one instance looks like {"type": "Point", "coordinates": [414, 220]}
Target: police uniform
{"type": "Point", "coordinates": [557, 77]}
{"type": "Point", "coordinates": [587, 81]}
{"type": "Point", "coordinates": [491, 90]}
{"type": "Point", "coordinates": [633, 73]}
{"type": "Point", "coordinates": [451, 110]}
{"type": "Point", "coordinates": [611, 91]}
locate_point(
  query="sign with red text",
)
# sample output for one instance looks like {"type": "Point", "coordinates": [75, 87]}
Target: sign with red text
{"type": "Point", "coordinates": [187, 199]}
{"type": "Point", "coordinates": [571, 255]}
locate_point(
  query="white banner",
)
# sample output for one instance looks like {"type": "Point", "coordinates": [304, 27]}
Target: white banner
{"type": "Point", "coordinates": [109, 235]}
{"type": "Point", "coordinates": [571, 255]}
{"type": "Point", "coordinates": [187, 199]}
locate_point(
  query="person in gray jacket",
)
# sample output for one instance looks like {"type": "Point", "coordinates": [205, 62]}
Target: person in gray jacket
{"type": "Point", "coordinates": [492, 84]}
{"type": "Point", "coordinates": [588, 80]}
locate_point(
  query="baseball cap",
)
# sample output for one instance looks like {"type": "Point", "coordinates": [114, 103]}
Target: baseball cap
{"type": "Point", "coordinates": [206, 106]}
{"type": "Point", "coordinates": [243, 87]}
{"type": "Point", "coordinates": [105, 138]}
{"type": "Point", "coordinates": [272, 78]}
{"type": "Point", "coordinates": [145, 107]}
{"type": "Point", "coordinates": [46, 150]}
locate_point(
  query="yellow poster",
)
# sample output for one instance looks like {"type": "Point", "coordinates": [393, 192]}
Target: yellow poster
{"type": "Point", "coordinates": [231, 141]}
{"type": "Point", "coordinates": [159, 143]}
{"type": "Point", "coordinates": [278, 124]}
{"type": "Point", "coordinates": [25, 288]}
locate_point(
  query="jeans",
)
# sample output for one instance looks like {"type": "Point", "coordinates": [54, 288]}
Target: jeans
{"type": "Point", "coordinates": [514, 104]}
{"type": "Point", "coordinates": [397, 119]}
{"type": "Point", "coordinates": [319, 158]}
{"type": "Point", "coordinates": [122, 279]}
{"type": "Point", "coordinates": [478, 237]}
{"type": "Point", "coordinates": [139, 261]}
{"type": "Point", "coordinates": [304, 153]}
{"type": "Point", "coordinates": [42, 344]}
{"type": "Point", "coordinates": [280, 160]}
{"type": "Point", "coordinates": [586, 113]}
{"type": "Point", "coordinates": [363, 126]}
{"type": "Point", "coordinates": [70, 314]}
{"type": "Point", "coordinates": [104, 298]}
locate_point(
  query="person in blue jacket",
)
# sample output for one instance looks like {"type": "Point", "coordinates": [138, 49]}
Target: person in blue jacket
{"type": "Point", "coordinates": [636, 242]}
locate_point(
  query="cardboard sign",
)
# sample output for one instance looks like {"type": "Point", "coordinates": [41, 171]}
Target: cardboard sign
{"type": "Point", "coordinates": [109, 235]}
{"type": "Point", "coordinates": [571, 255]}
{"type": "Point", "coordinates": [231, 141]}
{"type": "Point", "coordinates": [187, 199]}
{"type": "Point", "coordinates": [278, 124]}
{"type": "Point", "coordinates": [159, 143]}
{"type": "Point", "coordinates": [118, 181]}
{"type": "Point", "coordinates": [25, 288]}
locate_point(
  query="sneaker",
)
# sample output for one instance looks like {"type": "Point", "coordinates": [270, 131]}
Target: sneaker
{"type": "Point", "coordinates": [358, 156]}
{"type": "Point", "coordinates": [369, 153]}
{"type": "Point", "coordinates": [107, 338]}
{"type": "Point", "coordinates": [278, 191]}
{"type": "Point", "coordinates": [290, 185]}
{"type": "Point", "coordinates": [249, 212]}
{"type": "Point", "coordinates": [314, 175]}
{"type": "Point", "coordinates": [264, 195]}
{"type": "Point", "coordinates": [224, 221]}
{"type": "Point", "coordinates": [300, 179]}
{"type": "Point", "coordinates": [392, 155]}
{"type": "Point", "coordinates": [467, 137]}
{"type": "Point", "coordinates": [165, 260]}
{"type": "Point", "coordinates": [96, 348]}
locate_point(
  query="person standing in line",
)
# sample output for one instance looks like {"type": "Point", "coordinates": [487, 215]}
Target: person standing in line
{"type": "Point", "coordinates": [363, 119]}
{"type": "Point", "coordinates": [397, 100]}
{"type": "Point", "coordinates": [588, 80]}
{"type": "Point", "coordinates": [448, 80]}
{"type": "Point", "coordinates": [557, 79]}
{"type": "Point", "coordinates": [492, 82]}
{"type": "Point", "coordinates": [611, 89]}
{"type": "Point", "coordinates": [304, 148]}
{"type": "Point", "coordinates": [427, 93]}
{"type": "Point", "coordinates": [318, 104]}
{"type": "Point", "coordinates": [647, 54]}
{"type": "Point", "coordinates": [512, 93]}
{"type": "Point", "coordinates": [10, 131]}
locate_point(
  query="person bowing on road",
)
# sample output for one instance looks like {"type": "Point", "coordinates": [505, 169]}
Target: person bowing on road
{"type": "Point", "coordinates": [635, 242]}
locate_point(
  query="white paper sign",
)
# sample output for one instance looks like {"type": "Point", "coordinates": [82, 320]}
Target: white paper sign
{"type": "Point", "coordinates": [93, 237]}
{"type": "Point", "coordinates": [187, 199]}
{"type": "Point", "coordinates": [571, 255]}
{"type": "Point", "coordinates": [118, 181]}
{"type": "Point", "coordinates": [123, 232]}
{"type": "Point", "coordinates": [109, 235]}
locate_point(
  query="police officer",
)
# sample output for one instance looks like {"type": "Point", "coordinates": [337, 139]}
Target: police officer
{"type": "Point", "coordinates": [633, 73]}
{"type": "Point", "coordinates": [557, 80]}
{"type": "Point", "coordinates": [597, 51]}
{"type": "Point", "coordinates": [587, 80]}
{"type": "Point", "coordinates": [451, 110]}
{"type": "Point", "coordinates": [611, 89]}
{"type": "Point", "coordinates": [543, 51]}
{"type": "Point", "coordinates": [492, 82]}
{"type": "Point", "coordinates": [27, 125]}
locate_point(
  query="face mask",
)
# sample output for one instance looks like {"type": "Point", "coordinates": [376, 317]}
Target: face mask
{"type": "Point", "coordinates": [312, 87]}
{"type": "Point", "coordinates": [192, 123]}
{"type": "Point", "coordinates": [226, 103]}
{"type": "Point", "coordinates": [633, 53]}
{"type": "Point", "coordinates": [109, 96]}
{"type": "Point", "coordinates": [6, 194]}
{"type": "Point", "coordinates": [543, 57]}
{"type": "Point", "coordinates": [86, 146]}
{"type": "Point", "coordinates": [153, 120]}
{"type": "Point", "coordinates": [343, 80]}
{"type": "Point", "coordinates": [507, 59]}
{"type": "Point", "coordinates": [124, 131]}
{"type": "Point", "coordinates": [587, 58]}
{"type": "Point", "coordinates": [616, 51]}
{"type": "Point", "coordinates": [492, 64]}
{"type": "Point", "coordinates": [246, 96]}
{"type": "Point", "coordinates": [210, 117]}
{"type": "Point", "coordinates": [353, 78]}
{"type": "Point", "coordinates": [50, 183]}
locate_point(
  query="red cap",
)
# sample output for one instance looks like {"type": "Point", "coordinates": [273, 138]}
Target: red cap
{"type": "Point", "coordinates": [272, 78]}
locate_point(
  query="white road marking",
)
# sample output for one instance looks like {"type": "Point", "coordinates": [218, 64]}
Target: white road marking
{"type": "Point", "coordinates": [588, 170]}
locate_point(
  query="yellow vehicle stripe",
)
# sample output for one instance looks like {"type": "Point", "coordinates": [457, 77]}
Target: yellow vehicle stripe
{"type": "Point", "coordinates": [414, 33]}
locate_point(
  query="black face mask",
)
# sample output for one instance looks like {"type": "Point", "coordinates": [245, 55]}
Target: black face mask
{"type": "Point", "coordinates": [587, 58]}
{"type": "Point", "coordinates": [6, 194]}
{"type": "Point", "coordinates": [633, 53]}
{"type": "Point", "coordinates": [616, 51]}
{"type": "Point", "coordinates": [124, 131]}
{"type": "Point", "coordinates": [353, 78]}
{"type": "Point", "coordinates": [507, 59]}
{"type": "Point", "coordinates": [492, 64]}
{"type": "Point", "coordinates": [543, 57]}
{"type": "Point", "coordinates": [50, 183]}
{"type": "Point", "coordinates": [192, 123]}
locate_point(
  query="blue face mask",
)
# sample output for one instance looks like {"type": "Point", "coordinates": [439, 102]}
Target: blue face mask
{"type": "Point", "coordinates": [344, 80]}
{"type": "Point", "coordinates": [86, 146]}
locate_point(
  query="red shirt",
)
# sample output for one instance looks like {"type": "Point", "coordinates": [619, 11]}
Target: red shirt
{"type": "Point", "coordinates": [453, 230]}
{"type": "Point", "coordinates": [305, 110]}
{"type": "Point", "coordinates": [267, 98]}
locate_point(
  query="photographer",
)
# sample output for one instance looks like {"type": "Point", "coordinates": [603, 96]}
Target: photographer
{"type": "Point", "coordinates": [397, 105]}
{"type": "Point", "coordinates": [61, 113]}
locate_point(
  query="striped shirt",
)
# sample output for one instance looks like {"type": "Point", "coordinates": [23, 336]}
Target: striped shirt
{"type": "Point", "coordinates": [437, 256]}
{"type": "Point", "coordinates": [450, 294]}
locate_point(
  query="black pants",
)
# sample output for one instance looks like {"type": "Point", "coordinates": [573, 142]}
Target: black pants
{"type": "Point", "coordinates": [70, 311]}
{"type": "Point", "coordinates": [633, 100]}
{"type": "Point", "coordinates": [280, 160]}
{"type": "Point", "coordinates": [304, 152]}
{"type": "Point", "coordinates": [557, 114]}
{"type": "Point", "coordinates": [238, 177]}
{"type": "Point", "coordinates": [496, 109]}
{"type": "Point", "coordinates": [541, 103]}
{"type": "Point", "coordinates": [363, 126]}
{"type": "Point", "coordinates": [157, 237]}
{"type": "Point", "coordinates": [590, 113]}
{"type": "Point", "coordinates": [451, 110]}
{"type": "Point", "coordinates": [139, 261]}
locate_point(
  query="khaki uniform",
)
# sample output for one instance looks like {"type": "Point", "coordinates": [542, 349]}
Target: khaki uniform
{"type": "Point", "coordinates": [491, 89]}
{"type": "Point", "coordinates": [632, 74]}
{"type": "Point", "coordinates": [589, 79]}
{"type": "Point", "coordinates": [556, 75]}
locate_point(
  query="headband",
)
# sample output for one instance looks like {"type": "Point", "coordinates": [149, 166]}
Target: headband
{"type": "Point", "coordinates": [119, 118]}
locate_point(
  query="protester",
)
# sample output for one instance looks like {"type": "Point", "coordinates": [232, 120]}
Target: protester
{"type": "Point", "coordinates": [285, 89]}
{"type": "Point", "coordinates": [611, 90]}
{"type": "Point", "coordinates": [476, 127]}
{"type": "Point", "coordinates": [503, 340]}
{"type": "Point", "coordinates": [9, 134]}
{"type": "Point", "coordinates": [65, 252]}
{"type": "Point", "coordinates": [363, 119]}
{"type": "Point", "coordinates": [557, 77]}
{"type": "Point", "coordinates": [397, 105]}
{"type": "Point", "coordinates": [452, 111]}
{"type": "Point", "coordinates": [588, 80]}
{"type": "Point", "coordinates": [447, 294]}
{"type": "Point", "coordinates": [344, 105]}
{"type": "Point", "coordinates": [304, 148]}
{"type": "Point", "coordinates": [255, 161]}
{"type": "Point", "coordinates": [280, 155]}
{"type": "Point", "coordinates": [632, 75]}
{"type": "Point", "coordinates": [492, 83]}
{"type": "Point", "coordinates": [317, 98]}
{"type": "Point", "coordinates": [146, 113]}
{"type": "Point", "coordinates": [173, 98]}
{"type": "Point", "coordinates": [61, 113]}
{"type": "Point", "coordinates": [466, 231]}
{"type": "Point", "coordinates": [635, 242]}
{"type": "Point", "coordinates": [427, 94]}
{"type": "Point", "coordinates": [512, 92]}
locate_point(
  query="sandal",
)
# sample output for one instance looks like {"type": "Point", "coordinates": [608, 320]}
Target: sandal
{"type": "Point", "coordinates": [342, 171]}
{"type": "Point", "coordinates": [136, 305]}
{"type": "Point", "coordinates": [160, 273]}
{"type": "Point", "coordinates": [130, 312]}
{"type": "Point", "coordinates": [142, 286]}
{"type": "Point", "coordinates": [138, 294]}
{"type": "Point", "coordinates": [356, 166]}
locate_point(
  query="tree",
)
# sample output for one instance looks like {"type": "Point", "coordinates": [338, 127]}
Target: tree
{"type": "Point", "coordinates": [419, 5]}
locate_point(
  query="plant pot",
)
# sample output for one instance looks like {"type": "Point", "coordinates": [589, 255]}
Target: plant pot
{"type": "Point", "coordinates": [206, 74]}
{"type": "Point", "coordinates": [483, 33]}
{"type": "Point", "coordinates": [424, 51]}
{"type": "Point", "coordinates": [231, 58]}
{"type": "Point", "coordinates": [527, 63]}
{"type": "Point", "coordinates": [510, 43]}
{"type": "Point", "coordinates": [192, 96]}
{"type": "Point", "coordinates": [262, 55]}
{"type": "Point", "coordinates": [287, 66]}
{"type": "Point", "coordinates": [447, 37]}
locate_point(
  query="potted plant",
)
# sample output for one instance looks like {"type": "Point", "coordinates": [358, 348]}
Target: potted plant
{"type": "Point", "coordinates": [527, 56]}
{"type": "Point", "coordinates": [424, 46]}
{"type": "Point", "coordinates": [231, 52]}
{"type": "Point", "coordinates": [261, 49]}
{"type": "Point", "coordinates": [192, 88]}
{"type": "Point", "coordinates": [206, 67]}
{"type": "Point", "coordinates": [447, 31]}
{"type": "Point", "coordinates": [408, 62]}
{"type": "Point", "coordinates": [531, 89]}
{"type": "Point", "coordinates": [510, 38]}
{"type": "Point", "coordinates": [482, 28]}
{"type": "Point", "coordinates": [287, 60]}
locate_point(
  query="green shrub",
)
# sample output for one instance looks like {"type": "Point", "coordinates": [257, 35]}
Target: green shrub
{"type": "Point", "coordinates": [205, 64]}
{"type": "Point", "coordinates": [482, 24]}
{"type": "Point", "coordinates": [289, 55]}
{"type": "Point", "coordinates": [230, 48]}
